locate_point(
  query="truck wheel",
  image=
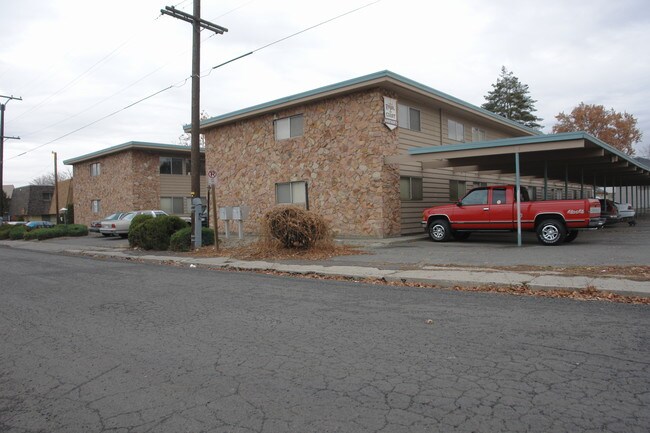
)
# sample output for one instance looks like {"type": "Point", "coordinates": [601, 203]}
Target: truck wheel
{"type": "Point", "coordinates": [551, 232]}
{"type": "Point", "coordinates": [461, 236]}
{"type": "Point", "coordinates": [439, 231]}
{"type": "Point", "coordinates": [570, 237]}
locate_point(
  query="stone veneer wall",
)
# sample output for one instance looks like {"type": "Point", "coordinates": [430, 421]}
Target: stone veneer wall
{"type": "Point", "coordinates": [340, 156]}
{"type": "Point", "coordinates": [129, 180]}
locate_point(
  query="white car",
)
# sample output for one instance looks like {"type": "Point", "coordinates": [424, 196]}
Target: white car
{"type": "Point", "coordinates": [626, 213]}
{"type": "Point", "coordinates": [121, 227]}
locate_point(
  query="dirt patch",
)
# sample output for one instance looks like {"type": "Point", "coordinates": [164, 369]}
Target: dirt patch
{"type": "Point", "coordinates": [271, 251]}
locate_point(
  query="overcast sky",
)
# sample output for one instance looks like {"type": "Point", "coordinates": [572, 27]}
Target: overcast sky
{"type": "Point", "coordinates": [74, 62]}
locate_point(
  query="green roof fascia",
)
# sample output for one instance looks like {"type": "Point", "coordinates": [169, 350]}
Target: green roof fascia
{"type": "Point", "coordinates": [356, 81]}
{"type": "Point", "coordinates": [517, 141]}
{"type": "Point", "coordinates": [140, 145]}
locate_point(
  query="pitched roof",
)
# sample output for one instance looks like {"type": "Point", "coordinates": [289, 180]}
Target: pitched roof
{"type": "Point", "coordinates": [131, 145]}
{"type": "Point", "coordinates": [385, 79]}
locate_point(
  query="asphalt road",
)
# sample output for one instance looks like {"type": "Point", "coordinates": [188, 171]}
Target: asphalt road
{"type": "Point", "coordinates": [95, 346]}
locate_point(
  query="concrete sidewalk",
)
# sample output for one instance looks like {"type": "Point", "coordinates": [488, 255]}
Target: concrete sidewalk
{"type": "Point", "coordinates": [442, 276]}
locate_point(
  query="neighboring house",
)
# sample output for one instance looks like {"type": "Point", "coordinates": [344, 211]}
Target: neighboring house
{"type": "Point", "coordinates": [132, 176]}
{"type": "Point", "coordinates": [66, 198]}
{"type": "Point", "coordinates": [329, 149]}
{"type": "Point", "coordinates": [31, 203]}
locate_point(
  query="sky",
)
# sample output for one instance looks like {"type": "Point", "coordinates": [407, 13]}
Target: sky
{"type": "Point", "coordinates": [78, 64]}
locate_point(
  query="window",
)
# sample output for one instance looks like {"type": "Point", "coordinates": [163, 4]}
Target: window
{"type": "Point", "coordinates": [455, 130]}
{"type": "Point", "coordinates": [457, 189]}
{"type": "Point", "coordinates": [95, 169]}
{"type": "Point", "coordinates": [499, 196]}
{"type": "Point", "coordinates": [289, 127]}
{"type": "Point", "coordinates": [170, 165]}
{"type": "Point", "coordinates": [408, 117]}
{"type": "Point", "coordinates": [476, 196]}
{"type": "Point", "coordinates": [410, 188]}
{"type": "Point", "coordinates": [173, 205]}
{"type": "Point", "coordinates": [46, 196]}
{"type": "Point", "coordinates": [291, 193]}
{"type": "Point", "coordinates": [96, 206]}
{"type": "Point", "coordinates": [478, 134]}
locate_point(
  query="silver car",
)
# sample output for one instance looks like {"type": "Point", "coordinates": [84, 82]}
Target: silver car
{"type": "Point", "coordinates": [121, 227]}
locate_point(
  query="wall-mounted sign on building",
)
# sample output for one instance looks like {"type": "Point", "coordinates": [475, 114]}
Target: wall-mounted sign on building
{"type": "Point", "coordinates": [390, 112]}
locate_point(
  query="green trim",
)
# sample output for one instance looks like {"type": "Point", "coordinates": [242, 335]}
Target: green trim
{"type": "Point", "coordinates": [131, 145]}
{"type": "Point", "coordinates": [341, 87]}
{"type": "Point", "coordinates": [517, 141]}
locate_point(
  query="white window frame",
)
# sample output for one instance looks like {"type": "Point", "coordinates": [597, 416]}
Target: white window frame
{"type": "Point", "coordinates": [96, 206]}
{"type": "Point", "coordinates": [407, 119]}
{"type": "Point", "coordinates": [289, 127]}
{"type": "Point", "coordinates": [455, 130]}
{"type": "Point", "coordinates": [478, 134]}
{"type": "Point", "coordinates": [297, 192]}
{"type": "Point", "coordinates": [411, 188]}
{"type": "Point", "coordinates": [95, 169]}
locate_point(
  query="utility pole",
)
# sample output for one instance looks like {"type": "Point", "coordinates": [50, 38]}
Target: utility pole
{"type": "Point", "coordinates": [2, 145]}
{"type": "Point", "coordinates": [195, 155]}
{"type": "Point", "coordinates": [56, 189]}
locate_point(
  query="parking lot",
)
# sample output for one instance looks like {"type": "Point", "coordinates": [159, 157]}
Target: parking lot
{"type": "Point", "coordinates": [617, 245]}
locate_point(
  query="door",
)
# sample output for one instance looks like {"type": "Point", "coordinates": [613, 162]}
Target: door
{"type": "Point", "coordinates": [472, 212]}
{"type": "Point", "coordinates": [501, 210]}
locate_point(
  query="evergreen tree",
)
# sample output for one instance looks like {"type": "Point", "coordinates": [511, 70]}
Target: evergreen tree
{"type": "Point", "coordinates": [509, 98]}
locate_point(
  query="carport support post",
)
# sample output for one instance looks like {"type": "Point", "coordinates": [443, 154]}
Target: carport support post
{"type": "Point", "coordinates": [545, 180]}
{"type": "Point", "coordinates": [582, 183]}
{"type": "Point", "coordinates": [566, 182]}
{"type": "Point", "coordinates": [518, 198]}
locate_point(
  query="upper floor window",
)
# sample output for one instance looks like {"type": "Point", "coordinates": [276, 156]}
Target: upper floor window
{"type": "Point", "coordinates": [291, 193]}
{"type": "Point", "coordinates": [95, 169]}
{"type": "Point", "coordinates": [289, 127]}
{"type": "Point", "coordinates": [47, 196]}
{"type": "Point", "coordinates": [408, 117]}
{"type": "Point", "coordinates": [455, 130]}
{"type": "Point", "coordinates": [410, 188]}
{"type": "Point", "coordinates": [478, 134]}
{"type": "Point", "coordinates": [170, 165]}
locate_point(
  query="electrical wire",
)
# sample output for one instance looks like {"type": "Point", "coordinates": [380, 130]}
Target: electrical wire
{"type": "Point", "coordinates": [181, 83]}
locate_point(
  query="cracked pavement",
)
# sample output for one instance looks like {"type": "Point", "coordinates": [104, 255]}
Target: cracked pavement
{"type": "Point", "coordinates": [109, 346]}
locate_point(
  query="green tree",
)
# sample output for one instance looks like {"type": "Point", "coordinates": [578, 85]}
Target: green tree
{"type": "Point", "coordinates": [510, 99]}
{"type": "Point", "coordinates": [616, 129]}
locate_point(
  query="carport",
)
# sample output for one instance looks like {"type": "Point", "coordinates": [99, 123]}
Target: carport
{"type": "Point", "coordinates": [574, 158]}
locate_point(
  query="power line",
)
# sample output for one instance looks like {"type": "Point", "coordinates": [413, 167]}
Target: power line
{"type": "Point", "coordinates": [181, 83]}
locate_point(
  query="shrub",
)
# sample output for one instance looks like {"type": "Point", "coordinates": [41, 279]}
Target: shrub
{"type": "Point", "coordinates": [17, 232]}
{"type": "Point", "coordinates": [182, 239]}
{"type": "Point", "coordinates": [295, 227]}
{"type": "Point", "coordinates": [139, 219]}
{"type": "Point", "coordinates": [76, 230]}
{"type": "Point", "coordinates": [4, 231]}
{"type": "Point", "coordinates": [154, 233]}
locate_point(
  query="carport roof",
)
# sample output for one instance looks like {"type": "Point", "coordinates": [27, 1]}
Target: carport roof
{"type": "Point", "coordinates": [575, 156]}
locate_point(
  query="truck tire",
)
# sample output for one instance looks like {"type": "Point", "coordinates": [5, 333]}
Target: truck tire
{"type": "Point", "coordinates": [439, 230]}
{"type": "Point", "coordinates": [551, 232]}
{"type": "Point", "coordinates": [570, 237]}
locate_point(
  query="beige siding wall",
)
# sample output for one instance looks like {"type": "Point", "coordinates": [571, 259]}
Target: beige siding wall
{"type": "Point", "coordinates": [340, 156]}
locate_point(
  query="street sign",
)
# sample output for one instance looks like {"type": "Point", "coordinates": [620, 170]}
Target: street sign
{"type": "Point", "coordinates": [212, 174]}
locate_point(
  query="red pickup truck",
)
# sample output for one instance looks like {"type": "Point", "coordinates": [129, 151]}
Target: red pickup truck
{"type": "Point", "coordinates": [494, 208]}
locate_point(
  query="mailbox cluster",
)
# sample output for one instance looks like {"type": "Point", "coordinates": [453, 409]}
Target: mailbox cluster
{"type": "Point", "coordinates": [234, 213]}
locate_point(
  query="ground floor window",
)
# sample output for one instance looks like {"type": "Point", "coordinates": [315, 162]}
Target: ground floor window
{"type": "Point", "coordinates": [291, 193]}
{"type": "Point", "coordinates": [457, 190]}
{"type": "Point", "coordinates": [96, 206]}
{"type": "Point", "coordinates": [410, 188]}
{"type": "Point", "coordinates": [173, 205]}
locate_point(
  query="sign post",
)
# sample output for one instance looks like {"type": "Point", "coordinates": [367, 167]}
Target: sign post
{"type": "Point", "coordinates": [212, 181]}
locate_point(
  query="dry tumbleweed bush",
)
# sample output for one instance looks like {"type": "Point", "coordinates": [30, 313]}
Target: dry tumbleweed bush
{"type": "Point", "coordinates": [295, 227]}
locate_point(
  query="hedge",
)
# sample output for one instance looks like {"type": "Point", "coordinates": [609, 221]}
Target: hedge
{"type": "Point", "coordinates": [154, 233]}
{"type": "Point", "coordinates": [182, 239]}
{"type": "Point", "coordinates": [21, 232]}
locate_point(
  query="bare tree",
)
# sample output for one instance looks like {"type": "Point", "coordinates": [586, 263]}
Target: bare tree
{"type": "Point", "coordinates": [48, 179]}
{"type": "Point", "coordinates": [185, 139]}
